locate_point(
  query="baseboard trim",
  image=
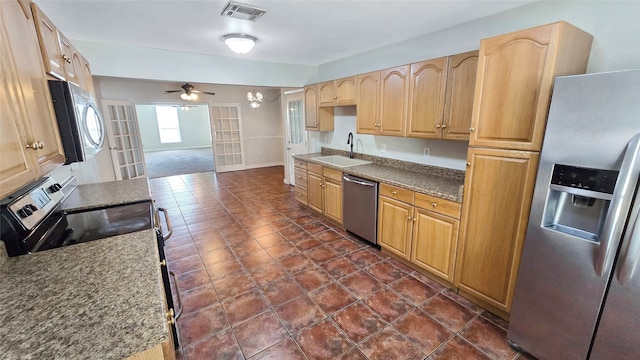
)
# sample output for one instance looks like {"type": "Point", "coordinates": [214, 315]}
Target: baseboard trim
{"type": "Point", "coordinates": [247, 167]}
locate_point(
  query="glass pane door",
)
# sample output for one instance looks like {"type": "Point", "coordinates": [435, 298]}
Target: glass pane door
{"type": "Point", "coordinates": [227, 137]}
{"type": "Point", "coordinates": [124, 139]}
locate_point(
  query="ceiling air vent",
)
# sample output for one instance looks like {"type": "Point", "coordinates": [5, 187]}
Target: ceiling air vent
{"type": "Point", "coordinates": [242, 11]}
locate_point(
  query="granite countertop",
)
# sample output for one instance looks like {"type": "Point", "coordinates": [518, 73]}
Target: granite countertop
{"type": "Point", "coordinates": [108, 194]}
{"type": "Point", "coordinates": [96, 300]}
{"type": "Point", "coordinates": [449, 188]}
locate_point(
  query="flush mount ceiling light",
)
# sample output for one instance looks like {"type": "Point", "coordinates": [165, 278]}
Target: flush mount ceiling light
{"type": "Point", "coordinates": [240, 43]}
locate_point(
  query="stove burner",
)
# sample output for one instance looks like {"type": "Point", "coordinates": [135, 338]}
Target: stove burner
{"type": "Point", "coordinates": [124, 226]}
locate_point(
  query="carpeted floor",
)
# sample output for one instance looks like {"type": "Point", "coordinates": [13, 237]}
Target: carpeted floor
{"type": "Point", "coordinates": [178, 162]}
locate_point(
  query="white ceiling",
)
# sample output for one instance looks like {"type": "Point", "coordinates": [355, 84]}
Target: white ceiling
{"type": "Point", "coordinates": [306, 32]}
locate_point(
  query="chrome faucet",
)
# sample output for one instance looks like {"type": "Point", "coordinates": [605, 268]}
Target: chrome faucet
{"type": "Point", "coordinates": [350, 141]}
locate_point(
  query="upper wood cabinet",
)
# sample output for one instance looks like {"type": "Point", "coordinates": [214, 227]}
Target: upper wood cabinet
{"type": "Point", "coordinates": [60, 58]}
{"type": "Point", "coordinates": [368, 103]}
{"type": "Point", "coordinates": [28, 131]}
{"type": "Point", "coordinates": [497, 197]}
{"type": "Point", "coordinates": [511, 102]}
{"type": "Point", "coordinates": [427, 85]}
{"type": "Point", "coordinates": [458, 107]}
{"type": "Point", "coordinates": [394, 90]}
{"type": "Point", "coordinates": [339, 92]}
{"type": "Point", "coordinates": [316, 118]}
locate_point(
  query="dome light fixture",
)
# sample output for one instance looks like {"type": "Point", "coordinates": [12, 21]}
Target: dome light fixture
{"type": "Point", "coordinates": [239, 43]}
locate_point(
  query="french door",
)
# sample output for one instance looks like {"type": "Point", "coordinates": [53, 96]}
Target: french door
{"type": "Point", "coordinates": [125, 144]}
{"type": "Point", "coordinates": [228, 146]}
{"type": "Point", "coordinates": [296, 137]}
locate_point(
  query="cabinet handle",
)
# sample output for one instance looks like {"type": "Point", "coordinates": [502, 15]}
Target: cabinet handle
{"type": "Point", "coordinates": [434, 204]}
{"type": "Point", "coordinates": [444, 126]}
{"type": "Point", "coordinates": [40, 144]}
{"type": "Point", "coordinates": [414, 219]}
{"type": "Point", "coordinates": [468, 164]}
{"type": "Point", "coordinates": [409, 218]}
{"type": "Point", "coordinates": [170, 319]}
{"type": "Point", "coordinates": [438, 126]}
{"type": "Point", "coordinates": [321, 185]}
{"type": "Point", "coordinates": [65, 58]}
{"type": "Point", "coordinates": [394, 192]}
{"type": "Point", "coordinates": [471, 129]}
{"type": "Point", "coordinates": [33, 145]}
{"type": "Point", "coordinates": [335, 97]}
{"type": "Point", "coordinates": [163, 263]}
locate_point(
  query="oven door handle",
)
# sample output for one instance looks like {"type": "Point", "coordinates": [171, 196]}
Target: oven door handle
{"type": "Point", "coordinates": [168, 221]}
{"type": "Point", "coordinates": [178, 296]}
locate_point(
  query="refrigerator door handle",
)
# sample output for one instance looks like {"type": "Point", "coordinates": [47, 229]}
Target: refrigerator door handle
{"type": "Point", "coordinates": [632, 242]}
{"type": "Point", "coordinates": [620, 205]}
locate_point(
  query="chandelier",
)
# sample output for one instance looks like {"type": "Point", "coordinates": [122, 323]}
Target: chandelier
{"type": "Point", "coordinates": [255, 100]}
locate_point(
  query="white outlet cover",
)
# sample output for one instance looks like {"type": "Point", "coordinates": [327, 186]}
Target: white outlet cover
{"type": "Point", "coordinates": [427, 152]}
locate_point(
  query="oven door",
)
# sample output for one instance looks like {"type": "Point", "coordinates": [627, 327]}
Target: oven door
{"type": "Point", "coordinates": [166, 273]}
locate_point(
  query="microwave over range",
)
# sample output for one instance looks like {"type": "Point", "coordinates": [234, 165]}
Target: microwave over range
{"type": "Point", "coordinates": [82, 128]}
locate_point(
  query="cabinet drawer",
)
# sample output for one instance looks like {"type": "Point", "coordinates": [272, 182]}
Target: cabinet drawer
{"type": "Point", "coordinates": [300, 164]}
{"type": "Point", "coordinates": [439, 205]}
{"type": "Point", "coordinates": [301, 194]}
{"type": "Point", "coordinates": [397, 193]}
{"type": "Point", "coordinates": [314, 168]}
{"type": "Point", "coordinates": [332, 174]}
{"type": "Point", "coordinates": [301, 177]}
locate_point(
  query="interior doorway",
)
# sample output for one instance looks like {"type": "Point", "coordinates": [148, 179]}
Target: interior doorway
{"type": "Point", "coordinates": [176, 138]}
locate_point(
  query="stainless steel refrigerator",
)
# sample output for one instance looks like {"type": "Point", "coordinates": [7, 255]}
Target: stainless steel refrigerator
{"type": "Point", "coordinates": [578, 289]}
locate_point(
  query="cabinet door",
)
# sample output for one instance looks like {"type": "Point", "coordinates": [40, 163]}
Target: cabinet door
{"type": "Point", "coordinates": [461, 81]}
{"type": "Point", "coordinates": [394, 90]}
{"type": "Point", "coordinates": [427, 85]}
{"type": "Point", "coordinates": [435, 240]}
{"type": "Point", "coordinates": [69, 65]}
{"type": "Point", "coordinates": [49, 43]}
{"type": "Point", "coordinates": [395, 220]}
{"type": "Point", "coordinates": [88, 78]}
{"type": "Point", "coordinates": [16, 162]}
{"type": "Point", "coordinates": [494, 223]}
{"type": "Point", "coordinates": [314, 191]}
{"type": "Point", "coordinates": [311, 107]}
{"type": "Point", "coordinates": [78, 65]}
{"type": "Point", "coordinates": [325, 91]}
{"type": "Point", "coordinates": [514, 81]}
{"type": "Point", "coordinates": [367, 104]}
{"type": "Point", "coordinates": [333, 199]}
{"type": "Point", "coordinates": [345, 91]}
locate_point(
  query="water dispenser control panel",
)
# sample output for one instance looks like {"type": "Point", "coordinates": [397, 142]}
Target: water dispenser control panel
{"type": "Point", "coordinates": [597, 180]}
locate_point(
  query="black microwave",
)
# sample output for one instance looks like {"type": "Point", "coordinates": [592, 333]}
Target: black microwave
{"type": "Point", "coordinates": [81, 126]}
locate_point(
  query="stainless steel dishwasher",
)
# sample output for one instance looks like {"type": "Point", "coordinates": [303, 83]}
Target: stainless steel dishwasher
{"type": "Point", "coordinates": [360, 207]}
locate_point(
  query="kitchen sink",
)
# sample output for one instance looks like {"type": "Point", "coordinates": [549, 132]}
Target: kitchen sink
{"type": "Point", "coordinates": [340, 161]}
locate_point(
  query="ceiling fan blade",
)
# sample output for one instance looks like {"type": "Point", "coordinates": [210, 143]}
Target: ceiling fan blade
{"type": "Point", "coordinates": [203, 92]}
{"type": "Point", "coordinates": [171, 91]}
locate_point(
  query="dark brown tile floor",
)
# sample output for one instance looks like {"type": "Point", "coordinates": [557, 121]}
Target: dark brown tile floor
{"type": "Point", "coordinates": [264, 278]}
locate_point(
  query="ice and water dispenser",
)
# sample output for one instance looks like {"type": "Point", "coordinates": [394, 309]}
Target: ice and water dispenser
{"type": "Point", "coordinates": [578, 201]}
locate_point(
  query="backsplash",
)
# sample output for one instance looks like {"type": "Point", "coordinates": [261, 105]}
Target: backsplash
{"type": "Point", "coordinates": [442, 153]}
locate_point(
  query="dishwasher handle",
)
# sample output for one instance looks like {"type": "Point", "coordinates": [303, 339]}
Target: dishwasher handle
{"type": "Point", "coordinates": [359, 182]}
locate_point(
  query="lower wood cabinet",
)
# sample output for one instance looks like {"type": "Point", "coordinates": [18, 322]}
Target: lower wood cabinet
{"type": "Point", "coordinates": [300, 173]}
{"type": "Point", "coordinates": [419, 228]}
{"type": "Point", "coordinates": [497, 198]}
{"type": "Point", "coordinates": [395, 222]}
{"type": "Point", "coordinates": [324, 191]}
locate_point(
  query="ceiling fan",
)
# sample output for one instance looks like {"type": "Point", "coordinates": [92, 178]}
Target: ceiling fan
{"type": "Point", "coordinates": [189, 92]}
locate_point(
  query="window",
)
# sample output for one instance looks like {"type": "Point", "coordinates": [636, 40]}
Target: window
{"type": "Point", "coordinates": [168, 124]}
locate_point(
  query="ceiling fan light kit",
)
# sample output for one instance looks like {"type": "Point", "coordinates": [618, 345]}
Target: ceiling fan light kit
{"type": "Point", "coordinates": [240, 43]}
{"type": "Point", "coordinates": [189, 92]}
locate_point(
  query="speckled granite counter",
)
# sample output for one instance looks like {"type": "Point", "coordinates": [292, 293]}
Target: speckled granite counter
{"type": "Point", "coordinates": [108, 194]}
{"type": "Point", "coordinates": [97, 300]}
{"type": "Point", "coordinates": [446, 187]}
